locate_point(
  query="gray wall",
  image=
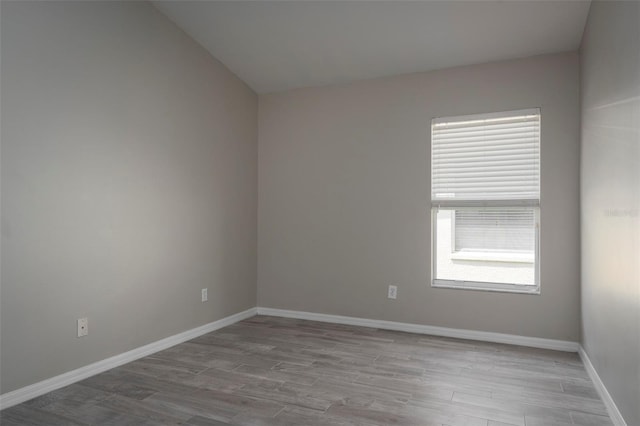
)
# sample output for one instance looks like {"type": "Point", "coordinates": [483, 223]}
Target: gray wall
{"type": "Point", "coordinates": [610, 171]}
{"type": "Point", "coordinates": [129, 178]}
{"type": "Point", "coordinates": [344, 191]}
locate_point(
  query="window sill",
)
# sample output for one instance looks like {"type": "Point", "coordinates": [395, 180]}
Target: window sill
{"type": "Point", "coordinates": [493, 256]}
{"type": "Point", "coordinates": [484, 286]}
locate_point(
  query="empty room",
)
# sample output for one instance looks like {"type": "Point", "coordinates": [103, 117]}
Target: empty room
{"type": "Point", "coordinates": [419, 213]}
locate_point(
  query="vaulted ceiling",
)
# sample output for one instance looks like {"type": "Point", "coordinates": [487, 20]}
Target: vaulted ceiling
{"type": "Point", "coordinates": [280, 45]}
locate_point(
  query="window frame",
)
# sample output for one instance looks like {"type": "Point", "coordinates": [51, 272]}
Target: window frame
{"type": "Point", "coordinates": [494, 203]}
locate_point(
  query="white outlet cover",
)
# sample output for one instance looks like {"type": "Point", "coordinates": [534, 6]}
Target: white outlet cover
{"type": "Point", "coordinates": [205, 297]}
{"type": "Point", "coordinates": [393, 292]}
{"type": "Point", "coordinates": [83, 327]}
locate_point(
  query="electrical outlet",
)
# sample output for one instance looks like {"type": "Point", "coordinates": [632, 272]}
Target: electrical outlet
{"type": "Point", "coordinates": [204, 295]}
{"type": "Point", "coordinates": [83, 327]}
{"type": "Point", "coordinates": [393, 292]}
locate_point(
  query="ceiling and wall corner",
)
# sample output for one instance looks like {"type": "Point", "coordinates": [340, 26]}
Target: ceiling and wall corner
{"type": "Point", "coordinates": [275, 46]}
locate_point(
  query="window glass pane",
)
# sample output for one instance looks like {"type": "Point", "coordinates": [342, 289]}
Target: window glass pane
{"type": "Point", "coordinates": [494, 230]}
{"type": "Point", "coordinates": [498, 245]}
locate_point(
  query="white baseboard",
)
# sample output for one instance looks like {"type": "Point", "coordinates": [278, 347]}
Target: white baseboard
{"type": "Point", "coordinates": [534, 342]}
{"type": "Point", "coordinates": [614, 413]}
{"type": "Point", "coordinates": [28, 392]}
{"type": "Point", "coordinates": [485, 336]}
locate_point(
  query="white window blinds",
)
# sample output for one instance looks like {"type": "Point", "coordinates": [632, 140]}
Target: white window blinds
{"type": "Point", "coordinates": [486, 157]}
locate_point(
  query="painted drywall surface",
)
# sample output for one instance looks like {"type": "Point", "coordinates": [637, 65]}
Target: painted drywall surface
{"type": "Point", "coordinates": [610, 199]}
{"type": "Point", "coordinates": [344, 197]}
{"type": "Point", "coordinates": [129, 179]}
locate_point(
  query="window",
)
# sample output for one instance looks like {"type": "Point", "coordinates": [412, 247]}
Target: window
{"type": "Point", "coordinates": [485, 200]}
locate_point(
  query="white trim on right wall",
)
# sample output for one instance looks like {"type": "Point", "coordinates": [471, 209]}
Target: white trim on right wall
{"type": "Point", "coordinates": [612, 409]}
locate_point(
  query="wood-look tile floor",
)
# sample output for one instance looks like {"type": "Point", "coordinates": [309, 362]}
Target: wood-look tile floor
{"type": "Point", "coordinates": [275, 371]}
